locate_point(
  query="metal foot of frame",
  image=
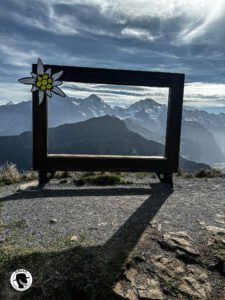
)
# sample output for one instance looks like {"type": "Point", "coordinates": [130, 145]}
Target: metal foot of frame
{"type": "Point", "coordinates": [45, 177]}
{"type": "Point", "coordinates": [166, 178]}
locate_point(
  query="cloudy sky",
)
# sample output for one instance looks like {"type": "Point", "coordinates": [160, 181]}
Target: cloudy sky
{"type": "Point", "coordinates": [186, 36]}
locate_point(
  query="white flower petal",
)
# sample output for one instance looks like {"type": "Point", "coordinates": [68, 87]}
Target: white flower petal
{"type": "Point", "coordinates": [57, 75]}
{"type": "Point", "coordinates": [56, 83]}
{"type": "Point", "coordinates": [34, 88]}
{"type": "Point", "coordinates": [34, 75]}
{"type": "Point", "coordinates": [41, 96]}
{"type": "Point", "coordinates": [27, 80]}
{"type": "Point", "coordinates": [58, 91]}
{"type": "Point", "coordinates": [48, 72]}
{"type": "Point", "coordinates": [49, 93]}
{"type": "Point", "coordinates": [40, 67]}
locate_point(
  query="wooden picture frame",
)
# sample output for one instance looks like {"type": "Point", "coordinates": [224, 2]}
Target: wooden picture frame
{"type": "Point", "coordinates": [164, 166]}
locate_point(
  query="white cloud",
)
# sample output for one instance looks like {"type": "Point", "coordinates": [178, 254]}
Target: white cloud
{"type": "Point", "coordinates": [141, 34]}
{"type": "Point", "coordinates": [207, 93]}
{"type": "Point", "coordinates": [208, 22]}
{"type": "Point", "coordinates": [15, 92]}
{"type": "Point", "coordinates": [62, 25]}
{"type": "Point", "coordinates": [199, 17]}
{"type": "Point", "coordinates": [15, 57]}
{"type": "Point", "coordinates": [195, 93]}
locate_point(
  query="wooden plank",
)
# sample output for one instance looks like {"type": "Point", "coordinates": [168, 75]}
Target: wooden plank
{"type": "Point", "coordinates": [114, 76]}
{"type": "Point", "coordinates": [40, 130]}
{"type": "Point", "coordinates": [174, 120]}
{"type": "Point", "coordinates": [108, 163]}
{"type": "Point", "coordinates": [104, 156]}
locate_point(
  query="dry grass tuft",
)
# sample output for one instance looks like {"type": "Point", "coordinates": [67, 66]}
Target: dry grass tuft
{"type": "Point", "coordinates": [9, 174]}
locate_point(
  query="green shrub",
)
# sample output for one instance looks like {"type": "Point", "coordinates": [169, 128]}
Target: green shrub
{"type": "Point", "coordinates": [183, 173]}
{"type": "Point", "coordinates": [209, 173]}
{"type": "Point", "coordinates": [62, 181]}
{"type": "Point", "coordinates": [99, 179]}
{"type": "Point", "coordinates": [62, 174]}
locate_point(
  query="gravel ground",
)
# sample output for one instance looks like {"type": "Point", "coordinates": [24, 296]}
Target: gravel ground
{"type": "Point", "coordinates": [101, 216]}
{"type": "Point", "coordinates": [97, 213]}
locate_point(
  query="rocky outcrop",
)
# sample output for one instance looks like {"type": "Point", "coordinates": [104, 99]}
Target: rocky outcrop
{"type": "Point", "coordinates": [165, 276]}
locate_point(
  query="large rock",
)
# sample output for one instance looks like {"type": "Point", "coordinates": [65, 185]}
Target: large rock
{"type": "Point", "coordinates": [147, 287]}
{"type": "Point", "coordinates": [180, 242]}
{"type": "Point", "coordinates": [192, 281]}
{"type": "Point", "coordinates": [167, 268]}
{"type": "Point", "coordinates": [139, 285]}
{"type": "Point", "coordinates": [125, 291]}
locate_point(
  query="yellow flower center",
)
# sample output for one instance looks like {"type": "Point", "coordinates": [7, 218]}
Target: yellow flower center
{"type": "Point", "coordinates": [44, 82]}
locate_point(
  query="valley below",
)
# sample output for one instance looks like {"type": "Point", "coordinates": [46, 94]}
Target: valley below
{"type": "Point", "coordinates": [91, 126]}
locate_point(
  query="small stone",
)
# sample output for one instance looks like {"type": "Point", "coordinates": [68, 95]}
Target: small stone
{"type": "Point", "coordinates": [166, 222]}
{"type": "Point", "coordinates": [181, 234]}
{"type": "Point", "coordinates": [220, 221]}
{"type": "Point", "coordinates": [118, 289]}
{"type": "Point", "coordinates": [102, 224]}
{"type": "Point", "coordinates": [53, 221]}
{"type": "Point", "coordinates": [159, 228]}
{"type": "Point", "coordinates": [202, 223]}
{"type": "Point", "coordinates": [215, 230]}
{"type": "Point", "coordinates": [153, 224]}
{"type": "Point", "coordinates": [28, 185]}
{"type": "Point", "coordinates": [139, 258]}
{"type": "Point", "coordinates": [74, 238]}
{"type": "Point", "coordinates": [220, 216]}
{"type": "Point", "coordinates": [93, 228]}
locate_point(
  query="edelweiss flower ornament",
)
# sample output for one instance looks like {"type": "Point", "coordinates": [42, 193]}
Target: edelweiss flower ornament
{"type": "Point", "coordinates": [44, 82]}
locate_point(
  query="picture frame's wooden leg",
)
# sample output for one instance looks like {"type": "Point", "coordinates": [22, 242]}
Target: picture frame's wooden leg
{"type": "Point", "coordinates": [42, 178]}
{"type": "Point", "coordinates": [45, 177]}
{"type": "Point", "coordinates": [166, 178]}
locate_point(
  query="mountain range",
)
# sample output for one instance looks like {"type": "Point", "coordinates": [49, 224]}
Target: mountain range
{"type": "Point", "coordinates": [101, 135]}
{"type": "Point", "coordinates": [202, 137]}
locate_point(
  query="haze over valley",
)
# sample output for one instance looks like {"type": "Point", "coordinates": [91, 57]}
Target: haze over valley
{"type": "Point", "coordinates": [143, 123]}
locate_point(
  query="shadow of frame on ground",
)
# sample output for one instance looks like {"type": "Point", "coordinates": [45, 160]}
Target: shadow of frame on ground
{"type": "Point", "coordinates": [82, 272]}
